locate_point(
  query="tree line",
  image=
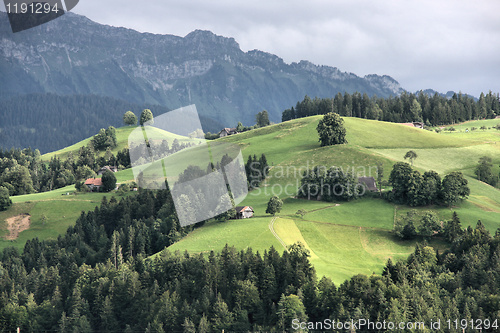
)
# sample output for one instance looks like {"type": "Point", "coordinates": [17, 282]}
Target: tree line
{"type": "Point", "coordinates": [96, 278]}
{"type": "Point", "coordinates": [50, 122]}
{"type": "Point", "coordinates": [427, 225]}
{"type": "Point", "coordinates": [22, 171]}
{"type": "Point", "coordinates": [408, 107]}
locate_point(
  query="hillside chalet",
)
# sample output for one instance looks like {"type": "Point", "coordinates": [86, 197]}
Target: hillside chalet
{"type": "Point", "coordinates": [244, 212]}
{"type": "Point", "coordinates": [227, 131]}
{"type": "Point", "coordinates": [104, 168]}
{"type": "Point", "coordinates": [94, 184]}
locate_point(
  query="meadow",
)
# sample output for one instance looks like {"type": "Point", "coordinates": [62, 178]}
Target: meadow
{"type": "Point", "coordinates": [122, 139]}
{"type": "Point", "coordinates": [344, 238]}
{"type": "Point", "coordinates": [347, 238]}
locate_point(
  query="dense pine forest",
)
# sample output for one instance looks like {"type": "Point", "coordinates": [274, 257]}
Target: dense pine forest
{"type": "Point", "coordinates": [408, 107]}
{"type": "Point", "coordinates": [49, 122]}
{"type": "Point", "coordinates": [99, 277]}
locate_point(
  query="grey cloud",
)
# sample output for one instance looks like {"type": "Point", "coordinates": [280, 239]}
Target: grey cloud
{"type": "Point", "coordinates": [444, 45]}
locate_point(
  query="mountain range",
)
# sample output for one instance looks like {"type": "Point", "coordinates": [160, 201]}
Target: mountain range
{"type": "Point", "coordinates": [74, 55]}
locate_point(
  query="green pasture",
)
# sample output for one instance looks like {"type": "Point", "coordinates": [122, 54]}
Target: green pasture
{"type": "Point", "coordinates": [345, 238]}
{"type": "Point", "coordinates": [122, 138]}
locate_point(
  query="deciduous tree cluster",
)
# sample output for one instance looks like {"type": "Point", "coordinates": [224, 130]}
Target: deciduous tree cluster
{"type": "Point", "coordinates": [412, 188]}
{"type": "Point", "coordinates": [331, 184]}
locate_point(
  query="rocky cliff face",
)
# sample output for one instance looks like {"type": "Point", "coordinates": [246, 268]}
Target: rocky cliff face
{"type": "Point", "coordinates": [73, 55]}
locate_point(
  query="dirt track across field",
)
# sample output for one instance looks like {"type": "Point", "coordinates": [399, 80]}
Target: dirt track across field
{"type": "Point", "coordinates": [17, 224]}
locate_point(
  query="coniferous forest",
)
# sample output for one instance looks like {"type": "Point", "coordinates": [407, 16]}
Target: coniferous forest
{"type": "Point", "coordinates": [100, 276]}
{"type": "Point", "coordinates": [408, 107]}
{"type": "Point", "coordinates": [49, 122]}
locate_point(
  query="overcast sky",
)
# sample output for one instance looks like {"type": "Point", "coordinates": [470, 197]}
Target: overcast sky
{"type": "Point", "coordinates": [439, 44]}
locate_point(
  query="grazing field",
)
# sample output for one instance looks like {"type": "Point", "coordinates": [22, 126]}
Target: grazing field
{"type": "Point", "coordinates": [379, 134]}
{"type": "Point", "coordinates": [343, 251]}
{"type": "Point", "coordinates": [464, 131]}
{"type": "Point", "coordinates": [477, 124]}
{"type": "Point", "coordinates": [48, 219]}
{"type": "Point", "coordinates": [242, 233]}
{"type": "Point", "coordinates": [122, 135]}
{"type": "Point", "coordinates": [51, 213]}
{"type": "Point", "coordinates": [336, 251]}
{"type": "Point", "coordinates": [446, 160]}
{"type": "Point", "coordinates": [344, 238]}
{"type": "Point", "coordinates": [367, 213]}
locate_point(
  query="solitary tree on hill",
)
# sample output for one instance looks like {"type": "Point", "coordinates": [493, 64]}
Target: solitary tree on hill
{"type": "Point", "coordinates": [411, 155]}
{"type": "Point", "coordinates": [146, 115]}
{"type": "Point", "coordinates": [331, 130]}
{"type": "Point", "coordinates": [484, 171]}
{"type": "Point", "coordinates": [274, 205]}
{"type": "Point", "coordinates": [129, 118]}
{"type": "Point", "coordinates": [239, 127]}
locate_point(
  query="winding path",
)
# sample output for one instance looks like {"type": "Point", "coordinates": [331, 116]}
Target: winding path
{"type": "Point", "coordinates": [271, 227]}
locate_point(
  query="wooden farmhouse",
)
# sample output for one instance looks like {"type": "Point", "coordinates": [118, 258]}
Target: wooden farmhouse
{"type": "Point", "coordinates": [244, 212]}
{"type": "Point", "coordinates": [104, 168]}
{"type": "Point", "coordinates": [227, 131]}
{"type": "Point", "coordinates": [94, 184]}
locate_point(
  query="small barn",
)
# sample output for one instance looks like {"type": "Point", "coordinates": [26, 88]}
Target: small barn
{"type": "Point", "coordinates": [227, 131]}
{"type": "Point", "coordinates": [94, 184]}
{"type": "Point", "coordinates": [244, 212]}
{"type": "Point", "coordinates": [104, 168]}
{"type": "Point", "coordinates": [418, 124]}
{"type": "Point", "coordinates": [369, 183]}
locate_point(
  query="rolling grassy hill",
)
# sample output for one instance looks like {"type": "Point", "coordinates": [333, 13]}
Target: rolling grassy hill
{"type": "Point", "coordinates": [490, 134]}
{"type": "Point", "coordinates": [354, 237]}
{"type": "Point", "coordinates": [477, 124]}
{"type": "Point", "coordinates": [343, 238]}
{"type": "Point", "coordinates": [122, 135]}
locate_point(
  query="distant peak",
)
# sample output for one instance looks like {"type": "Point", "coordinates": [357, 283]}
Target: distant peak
{"type": "Point", "coordinates": [384, 82]}
{"type": "Point", "coordinates": [208, 36]}
{"type": "Point", "coordinates": [200, 33]}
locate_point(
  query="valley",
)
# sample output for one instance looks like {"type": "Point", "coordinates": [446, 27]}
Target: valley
{"type": "Point", "coordinates": [344, 238]}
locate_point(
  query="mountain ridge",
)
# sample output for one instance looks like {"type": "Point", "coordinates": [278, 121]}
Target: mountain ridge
{"type": "Point", "coordinates": [74, 55]}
